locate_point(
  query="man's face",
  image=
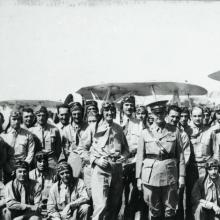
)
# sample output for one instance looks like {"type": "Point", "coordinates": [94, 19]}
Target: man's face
{"type": "Point", "coordinates": [213, 173]}
{"type": "Point", "coordinates": [65, 176]}
{"type": "Point", "coordinates": [206, 118]}
{"type": "Point", "coordinates": [128, 108]}
{"type": "Point", "coordinates": [64, 115]}
{"type": "Point", "coordinates": [197, 116]}
{"type": "Point", "coordinates": [42, 118]}
{"type": "Point", "coordinates": [15, 122]}
{"type": "Point", "coordinates": [173, 117]}
{"type": "Point", "coordinates": [42, 164]}
{"type": "Point", "coordinates": [184, 117]}
{"type": "Point", "coordinates": [92, 109]}
{"type": "Point", "coordinates": [28, 118]}
{"type": "Point", "coordinates": [141, 115]}
{"type": "Point", "coordinates": [77, 116]}
{"type": "Point", "coordinates": [108, 114]}
{"type": "Point", "coordinates": [21, 174]}
{"type": "Point", "coordinates": [159, 117]}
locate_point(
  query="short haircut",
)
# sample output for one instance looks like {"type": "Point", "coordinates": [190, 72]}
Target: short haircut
{"type": "Point", "coordinates": [63, 106]}
{"type": "Point", "coordinates": [174, 108]}
{"type": "Point", "coordinates": [29, 110]}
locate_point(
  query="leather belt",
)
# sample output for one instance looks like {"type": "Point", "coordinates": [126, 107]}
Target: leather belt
{"type": "Point", "coordinates": [160, 156]}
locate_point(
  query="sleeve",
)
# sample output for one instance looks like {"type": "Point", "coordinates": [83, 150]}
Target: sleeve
{"type": "Point", "coordinates": [30, 149]}
{"type": "Point", "coordinates": [37, 195]}
{"type": "Point", "coordinates": [216, 147]}
{"type": "Point", "coordinates": [186, 146]}
{"type": "Point", "coordinates": [85, 144]}
{"type": "Point", "coordinates": [11, 201]}
{"type": "Point", "coordinates": [180, 155]}
{"type": "Point", "coordinates": [52, 209]}
{"type": "Point", "coordinates": [140, 155]}
{"type": "Point", "coordinates": [82, 194]}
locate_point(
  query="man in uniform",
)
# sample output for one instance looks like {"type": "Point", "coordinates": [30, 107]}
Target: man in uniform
{"type": "Point", "coordinates": [141, 115]}
{"type": "Point", "coordinates": [202, 148]}
{"type": "Point", "coordinates": [63, 112]}
{"type": "Point", "coordinates": [20, 141]}
{"type": "Point", "coordinates": [47, 136]}
{"type": "Point", "coordinates": [68, 198]}
{"type": "Point", "coordinates": [160, 166]}
{"type": "Point", "coordinates": [207, 117]}
{"type": "Point", "coordinates": [205, 193]}
{"type": "Point", "coordinates": [72, 135]}
{"type": "Point", "coordinates": [27, 118]}
{"type": "Point", "coordinates": [173, 118]}
{"type": "Point", "coordinates": [106, 147]}
{"type": "Point", "coordinates": [184, 120]}
{"type": "Point", "coordinates": [43, 175]}
{"type": "Point", "coordinates": [131, 128]}
{"type": "Point", "coordinates": [23, 197]}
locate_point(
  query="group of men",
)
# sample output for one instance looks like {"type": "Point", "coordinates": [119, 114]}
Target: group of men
{"type": "Point", "coordinates": [155, 162]}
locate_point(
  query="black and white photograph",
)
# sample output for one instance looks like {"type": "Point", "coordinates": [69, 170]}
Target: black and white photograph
{"type": "Point", "coordinates": [109, 110]}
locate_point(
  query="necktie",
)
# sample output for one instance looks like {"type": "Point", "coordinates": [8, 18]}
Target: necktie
{"type": "Point", "coordinates": [43, 139]}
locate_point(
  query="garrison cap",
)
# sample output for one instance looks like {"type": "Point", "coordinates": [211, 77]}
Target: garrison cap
{"type": "Point", "coordinates": [211, 163]}
{"type": "Point", "coordinates": [40, 108]}
{"type": "Point", "coordinates": [158, 106]}
{"type": "Point", "coordinates": [15, 112]}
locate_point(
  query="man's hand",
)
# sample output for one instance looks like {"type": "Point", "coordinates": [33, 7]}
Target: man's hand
{"type": "Point", "coordinates": [216, 209]}
{"type": "Point", "coordinates": [66, 213]}
{"type": "Point", "coordinates": [121, 159]}
{"type": "Point", "coordinates": [101, 162]}
{"type": "Point", "coordinates": [139, 184]}
{"type": "Point", "coordinates": [181, 182]}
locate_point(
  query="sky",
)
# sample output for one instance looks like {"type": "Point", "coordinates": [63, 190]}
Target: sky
{"type": "Point", "coordinates": [48, 51]}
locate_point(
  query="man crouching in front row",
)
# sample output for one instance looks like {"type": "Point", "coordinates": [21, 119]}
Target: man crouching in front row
{"type": "Point", "coordinates": [23, 195]}
{"type": "Point", "coordinates": [68, 198]}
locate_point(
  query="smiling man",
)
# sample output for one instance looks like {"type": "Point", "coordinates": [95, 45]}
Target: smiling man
{"type": "Point", "coordinates": [23, 196]}
{"type": "Point", "coordinates": [205, 193]}
{"type": "Point", "coordinates": [106, 147]}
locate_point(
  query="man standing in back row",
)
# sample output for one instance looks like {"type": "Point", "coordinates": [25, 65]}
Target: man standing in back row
{"type": "Point", "coordinates": [47, 136]}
